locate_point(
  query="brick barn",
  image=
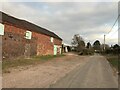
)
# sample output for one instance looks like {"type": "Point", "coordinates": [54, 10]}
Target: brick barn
{"type": "Point", "coordinates": [22, 38]}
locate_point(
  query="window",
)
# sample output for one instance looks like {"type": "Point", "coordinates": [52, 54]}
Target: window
{"type": "Point", "coordinates": [51, 39]}
{"type": "Point", "coordinates": [1, 29]}
{"type": "Point", "coordinates": [28, 35]}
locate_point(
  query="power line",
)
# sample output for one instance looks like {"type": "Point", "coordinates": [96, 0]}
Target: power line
{"type": "Point", "coordinates": [111, 29]}
{"type": "Point", "coordinates": [116, 31]}
{"type": "Point", "coordinates": [113, 24]}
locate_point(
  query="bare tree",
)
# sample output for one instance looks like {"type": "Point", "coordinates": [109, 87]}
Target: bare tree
{"type": "Point", "coordinates": [78, 42]}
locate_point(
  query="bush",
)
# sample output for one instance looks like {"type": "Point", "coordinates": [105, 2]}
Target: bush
{"type": "Point", "coordinates": [86, 52]}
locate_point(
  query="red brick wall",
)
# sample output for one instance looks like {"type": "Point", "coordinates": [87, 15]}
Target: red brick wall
{"type": "Point", "coordinates": [44, 45]}
{"type": "Point", "coordinates": [14, 43]}
{"type": "Point", "coordinates": [57, 42]}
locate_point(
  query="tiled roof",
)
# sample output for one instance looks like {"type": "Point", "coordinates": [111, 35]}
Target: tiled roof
{"type": "Point", "coordinates": [5, 18]}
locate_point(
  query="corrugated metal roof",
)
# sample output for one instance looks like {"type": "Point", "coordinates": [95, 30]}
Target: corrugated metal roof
{"type": "Point", "coordinates": [5, 18]}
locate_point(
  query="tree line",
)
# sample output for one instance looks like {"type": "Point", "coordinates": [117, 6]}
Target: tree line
{"type": "Point", "coordinates": [78, 45]}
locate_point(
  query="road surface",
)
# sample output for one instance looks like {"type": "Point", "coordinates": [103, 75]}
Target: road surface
{"type": "Point", "coordinates": [96, 73]}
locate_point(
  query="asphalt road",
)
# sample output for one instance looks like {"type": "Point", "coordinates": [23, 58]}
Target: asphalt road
{"type": "Point", "coordinates": [96, 73]}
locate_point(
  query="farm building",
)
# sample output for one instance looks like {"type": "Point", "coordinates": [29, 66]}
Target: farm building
{"type": "Point", "coordinates": [66, 48]}
{"type": "Point", "coordinates": [22, 38]}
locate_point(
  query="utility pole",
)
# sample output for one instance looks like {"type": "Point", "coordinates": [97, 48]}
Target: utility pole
{"type": "Point", "coordinates": [104, 43]}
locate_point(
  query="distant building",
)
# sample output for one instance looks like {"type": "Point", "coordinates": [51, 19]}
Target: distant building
{"type": "Point", "coordinates": [66, 48]}
{"type": "Point", "coordinates": [22, 38]}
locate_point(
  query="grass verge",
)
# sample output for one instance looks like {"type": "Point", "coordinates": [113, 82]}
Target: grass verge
{"type": "Point", "coordinates": [113, 60]}
{"type": "Point", "coordinates": [7, 64]}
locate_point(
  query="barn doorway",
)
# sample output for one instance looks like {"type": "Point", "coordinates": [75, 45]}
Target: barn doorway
{"type": "Point", "coordinates": [55, 50]}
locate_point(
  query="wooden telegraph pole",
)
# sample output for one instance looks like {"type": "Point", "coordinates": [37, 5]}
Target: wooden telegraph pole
{"type": "Point", "coordinates": [104, 43]}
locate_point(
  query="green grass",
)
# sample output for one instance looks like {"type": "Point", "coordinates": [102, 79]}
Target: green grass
{"type": "Point", "coordinates": [6, 64]}
{"type": "Point", "coordinates": [113, 60]}
{"type": "Point", "coordinates": [48, 57]}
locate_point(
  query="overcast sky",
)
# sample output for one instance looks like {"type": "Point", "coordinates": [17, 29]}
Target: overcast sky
{"type": "Point", "coordinates": [89, 19]}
